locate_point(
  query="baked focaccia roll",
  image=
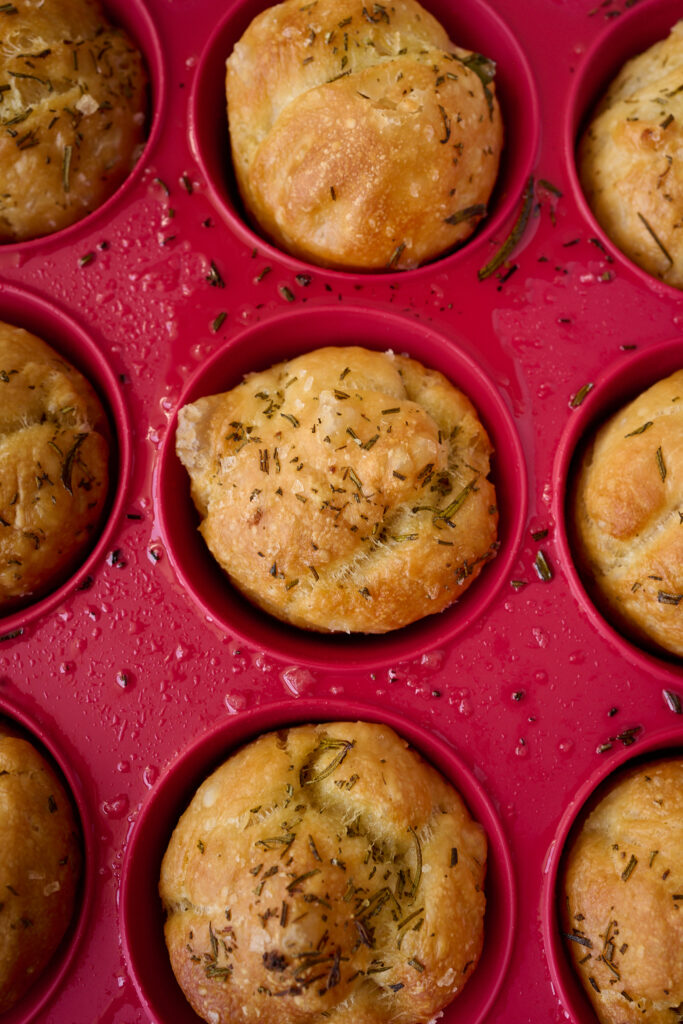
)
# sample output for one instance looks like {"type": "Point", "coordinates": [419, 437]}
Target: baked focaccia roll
{"type": "Point", "coordinates": [622, 900]}
{"type": "Point", "coordinates": [629, 159]}
{"type": "Point", "coordinates": [54, 467]}
{"type": "Point", "coordinates": [628, 517]}
{"type": "Point", "coordinates": [73, 110]}
{"type": "Point", "coordinates": [40, 865]}
{"type": "Point", "coordinates": [345, 490]}
{"type": "Point", "coordinates": [362, 137]}
{"type": "Point", "coordinates": [324, 871]}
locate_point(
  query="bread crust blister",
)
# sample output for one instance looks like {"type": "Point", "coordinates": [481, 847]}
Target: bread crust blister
{"type": "Point", "coordinates": [345, 490]}
{"type": "Point", "coordinates": [629, 159]}
{"type": "Point", "coordinates": [73, 114]}
{"type": "Point", "coordinates": [40, 865]}
{"type": "Point", "coordinates": [362, 138]}
{"type": "Point", "coordinates": [54, 467]}
{"type": "Point", "coordinates": [622, 899]}
{"type": "Point", "coordinates": [324, 869]}
{"type": "Point", "coordinates": [627, 517]}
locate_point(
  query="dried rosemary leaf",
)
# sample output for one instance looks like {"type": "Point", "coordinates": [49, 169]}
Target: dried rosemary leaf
{"type": "Point", "coordinates": [580, 395]}
{"type": "Point", "coordinates": [542, 567]}
{"type": "Point", "coordinates": [515, 235]}
{"type": "Point", "coordinates": [639, 430]}
{"type": "Point", "coordinates": [308, 776]}
{"type": "Point", "coordinates": [468, 213]}
{"type": "Point", "coordinates": [629, 869]}
{"type": "Point", "coordinates": [672, 701]}
{"type": "Point", "coordinates": [660, 463]}
{"type": "Point", "coordinates": [651, 232]}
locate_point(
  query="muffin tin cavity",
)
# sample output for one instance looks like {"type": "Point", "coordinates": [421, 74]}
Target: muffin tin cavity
{"type": "Point", "coordinates": [67, 337]}
{"type": "Point", "coordinates": [661, 743]}
{"type": "Point", "coordinates": [619, 384]}
{"type": "Point", "coordinates": [474, 25]}
{"type": "Point", "coordinates": [33, 1005]}
{"type": "Point", "coordinates": [133, 17]}
{"type": "Point", "coordinates": [289, 335]}
{"type": "Point", "coordinates": [632, 33]}
{"type": "Point", "coordinates": [141, 914]}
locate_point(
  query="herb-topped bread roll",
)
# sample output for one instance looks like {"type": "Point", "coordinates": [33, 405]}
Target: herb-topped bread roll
{"type": "Point", "coordinates": [362, 137]}
{"type": "Point", "coordinates": [344, 490]}
{"type": "Point", "coordinates": [628, 517]}
{"type": "Point", "coordinates": [324, 871]}
{"type": "Point", "coordinates": [629, 159]}
{"type": "Point", "coordinates": [40, 865]}
{"type": "Point", "coordinates": [54, 454]}
{"type": "Point", "coordinates": [72, 108]}
{"type": "Point", "coordinates": [622, 899]}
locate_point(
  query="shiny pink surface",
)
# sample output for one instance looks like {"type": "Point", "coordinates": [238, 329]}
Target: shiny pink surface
{"type": "Point", "coordinates": [145, 669]}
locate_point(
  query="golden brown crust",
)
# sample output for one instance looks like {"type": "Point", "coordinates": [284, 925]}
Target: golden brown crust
{"type": "Point", "coordinates": [344, 490]}
{"type": "Point", "coordinates": [54, 454]}
{"type": "Point", "coordinates": [623, 898]}
{"type": "Point", "coordinates": [628, 516]}
{"type": "Point", "coordinates": [324, 867]}
{"type": "Point", "coordinates": [362, 138]}
{"type": "Point", "coordinates": [40, 864]}
{"type": "Point", "coordinates": [73, 114]}
{"type": "Point", "coordinates": [629, 159]}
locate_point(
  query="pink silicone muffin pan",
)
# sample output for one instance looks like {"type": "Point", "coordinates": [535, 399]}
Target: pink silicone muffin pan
{"type": "Point", "coordinates": [145, 669]}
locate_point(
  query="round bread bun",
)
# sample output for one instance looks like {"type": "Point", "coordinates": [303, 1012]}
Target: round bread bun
{"type": "Point", "coordinates": [628, 517]}
{"type": "Point", "coordinates": [40, 865]}
{"type": "Point", "coordinates": [344, 490]}
{"type": "Point", "coordinates": [54, 454]}
{"type": "Point", "coordinates": [73, 113]}
{"type": "Point", "coordinates": [629, 160]}
{"type": "Point", "coordinates": [362, 138]}
{"type": "Point", "coordinates": [324, 870]}
{"type": "Point", "coordinates": [622, 898]}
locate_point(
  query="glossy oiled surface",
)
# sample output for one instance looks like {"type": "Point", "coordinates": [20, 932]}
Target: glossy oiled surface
{"type": "Point", "coordinates": [145, 669]}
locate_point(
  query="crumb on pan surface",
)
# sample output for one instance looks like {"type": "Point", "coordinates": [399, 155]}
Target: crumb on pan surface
{"type": "Point", "coordinates": [344, 490]}
{"type": "Point", "coordinates": [622, 899]}
{"type": "Point", "coordinates": [40, 864]}
{"type": "Point", "coordinates": [73, 112]}
{"type": "Point", "coordinates": [54, 455]}
{"type": "Point", "coordinates": [630, 162]}
{"type": "Point", "coordinates": [324, 869]}
{"type": "Point", "coordinates": [628, 516]}
{"type": "Point", "coordinates": [362, 137]}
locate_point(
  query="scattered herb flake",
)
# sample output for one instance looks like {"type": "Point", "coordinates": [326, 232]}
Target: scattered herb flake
{"type": "Point", "coordinates": [213, 277]}
{"type": "Point", "coordinates": [580, 395]}
{"type": "Point", "coordinates": [580, 939]}
{"type": "Point", "coordinates": [629, 869]}
{"type": "Point", "coordinates": [12, 635]}
{"type": "Point", "coordinates": [66, 168]}
{"type": "Point", "coordinates": [542, 567]}
{"type": "Point", "coordinates": [672, 701]}
{"type": "Point", "coordinates": [639, 430]}
{"type": "Point", "coordinates": [653, 235]}
{"type": "Point", "coordinates": [515, 235]}
{"type": "Point", "coordinates": [660, 463]}
{"type": "Point", "coordinates": [467, 213]}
